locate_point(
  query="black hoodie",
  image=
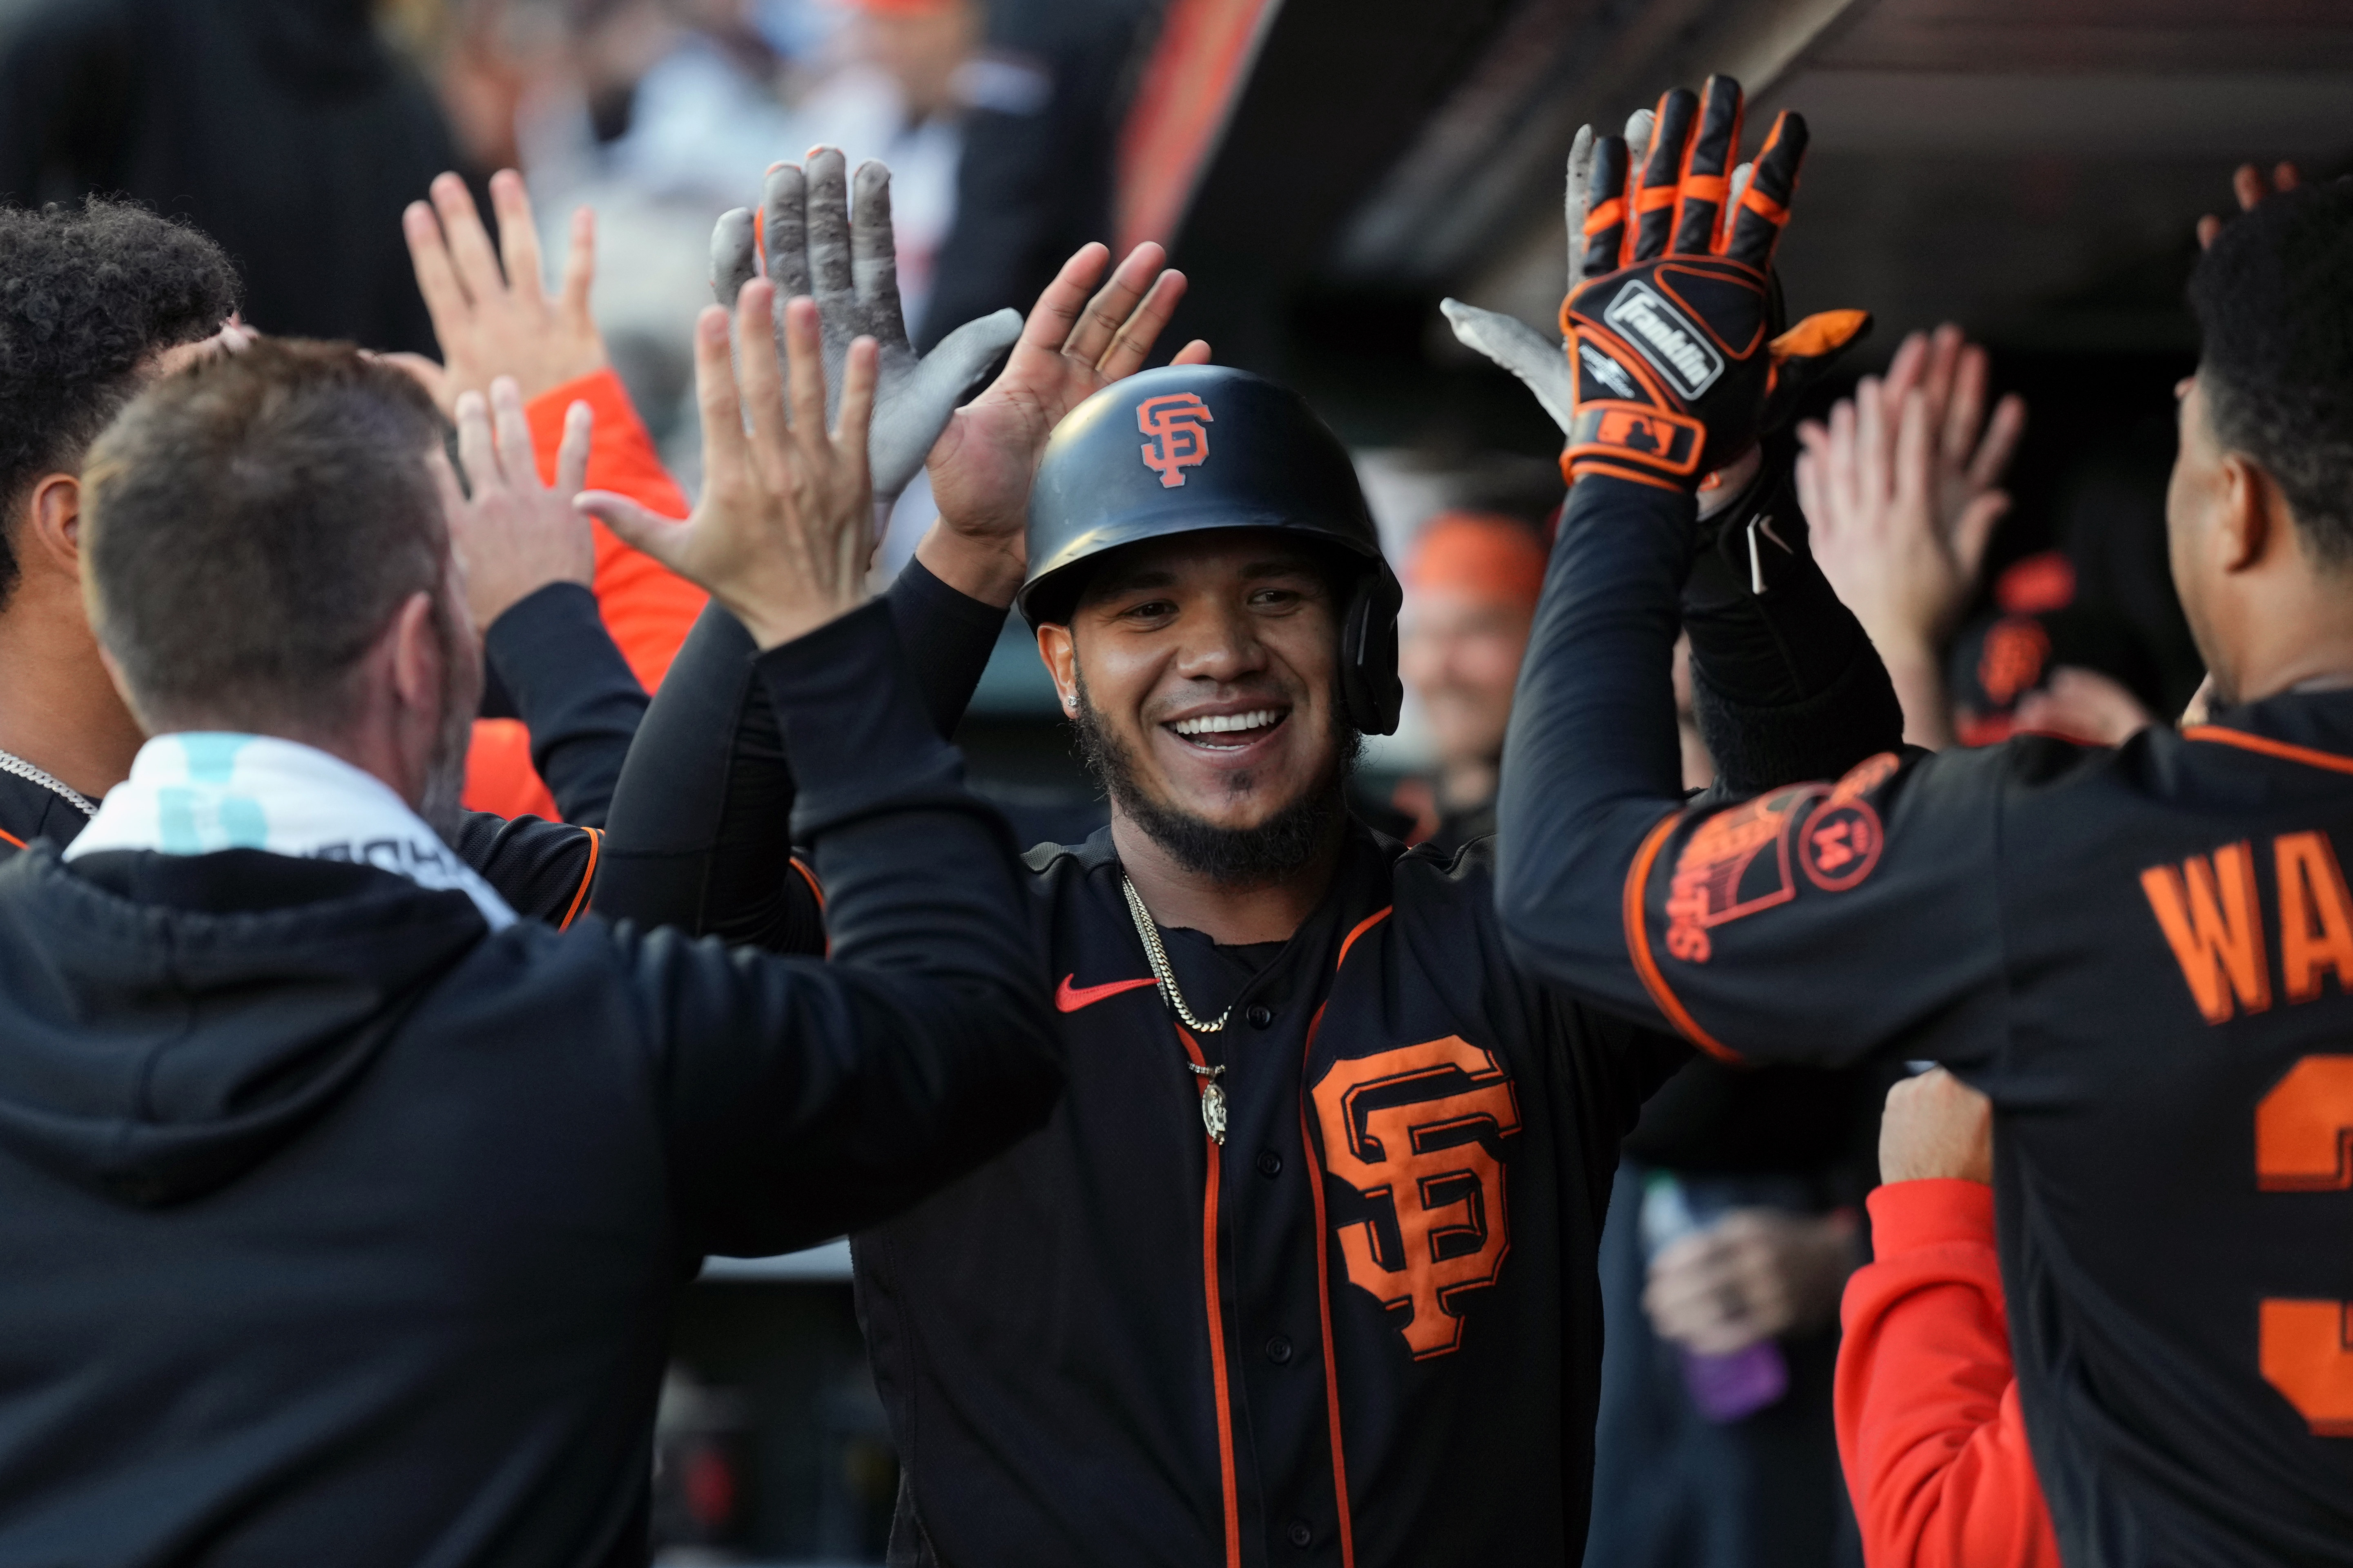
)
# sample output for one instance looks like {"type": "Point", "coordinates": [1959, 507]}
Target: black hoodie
{"type": "Point", "coordinates": [339, 1229]}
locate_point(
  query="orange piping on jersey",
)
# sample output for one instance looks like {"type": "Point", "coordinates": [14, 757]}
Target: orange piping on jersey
{"type": "Point", "coordinates": [2268, 747]}
{"type": "Point", "coordinates": [817, 891]}
{"type": "Point", "coordinates": [1323, 1260]}
{"type": "Point", "coordinates": [1214, 1297]}
{"type": "Point", "coordinates": [6, 837]}
{"type": "Point", "coordinates": [1324, 1286]}
{"type": "Point", "coordinates": [1638, 946]}
{"type": "Point", "coordinates": [587, 877]}
{"type": "Point", "coordinates": [1367, 923]}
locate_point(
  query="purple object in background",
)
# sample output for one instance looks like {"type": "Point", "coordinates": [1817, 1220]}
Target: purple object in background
{"type": "Point", "coordinates": [1724, 1388]}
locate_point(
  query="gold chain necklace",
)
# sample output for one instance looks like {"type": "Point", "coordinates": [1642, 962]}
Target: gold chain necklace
{"type": "Point", "coordinates": [1213, 1093]}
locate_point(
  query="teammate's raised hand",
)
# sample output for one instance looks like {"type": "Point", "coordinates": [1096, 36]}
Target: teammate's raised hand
{"type": "Point", "coordinates": [511, 534]}
{"type": "Point", "coordinates": [491, 312]}
{"type": "Point", "coordinates": [1072, 346]}
{"type": "Point", "coordinates": [2250, 185]}
{"type": "Point", "coordinates": [845, 259]}
{"type": "Point", "coordinates": [785, 529]}
{"type": "Point", "coordinates": [1901, 490]}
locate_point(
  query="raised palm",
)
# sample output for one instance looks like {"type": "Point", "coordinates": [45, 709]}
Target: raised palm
{"type": "Point", "coordinates": [1071, 347]}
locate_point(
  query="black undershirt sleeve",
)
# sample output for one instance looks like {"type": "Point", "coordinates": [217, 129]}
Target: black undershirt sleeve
{"type": "Point", "coordinates": [698, 837]}
{"type": "Point", "coordinates": [1817, 921]}
{"type": "Point", "coordinates": [802, 1100]}
{"type": "Point", "coordinates": [572, 690]}
{"type": "Point", "coordinates": [1785, 683]}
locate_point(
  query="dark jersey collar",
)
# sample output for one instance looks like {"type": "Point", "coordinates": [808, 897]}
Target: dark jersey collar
{"type": "Point", "coordinates": [29, 811]}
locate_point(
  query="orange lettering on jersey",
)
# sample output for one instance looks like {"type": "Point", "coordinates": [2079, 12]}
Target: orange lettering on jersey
{"type": "Point", "coordinates": [1724, 873]}
{"type": "Point", "coordinates": [2215, 928]}
{"type": "Point", "coordinates": [2303, 1143]}
{"type": "Point", "coordinates": [2316, 915]}
{"type": "Point", "coordinates": [2304, 1129]}
{"type": "Point", "coordinates": [1426, 1155]}
{"type": "Point", "coordinates": [1180, 441]}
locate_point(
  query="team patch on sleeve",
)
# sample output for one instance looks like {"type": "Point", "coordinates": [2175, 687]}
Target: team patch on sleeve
{"type": "Point", "coordinates": [1735, 864]}
{"type": "Point", "coordinates": [1842, 841]}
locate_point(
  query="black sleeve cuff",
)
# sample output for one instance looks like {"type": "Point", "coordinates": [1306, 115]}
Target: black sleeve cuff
{"type": "Point", "coordinates": [552, 644]}
{"type": "Point", "coordinates": [854, 725]}
{"type": "Point", "coordinates": [948, 637]}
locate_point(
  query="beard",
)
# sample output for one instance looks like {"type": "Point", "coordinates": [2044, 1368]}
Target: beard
{"type": "Point", "coordinates": [442, 806]}
{"type": "Point", "coordinates": [1283, 844]}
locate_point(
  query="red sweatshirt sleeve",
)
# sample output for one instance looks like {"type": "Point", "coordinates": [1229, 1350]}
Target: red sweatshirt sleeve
{"type": "Point", "coordinates": [647, 608]}
{"type": "Point", "coordinates": [1928, 1423]}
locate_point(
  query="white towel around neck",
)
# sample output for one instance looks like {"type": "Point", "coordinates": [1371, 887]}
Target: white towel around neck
{"type": "Point", "coordinates": [198, 792]}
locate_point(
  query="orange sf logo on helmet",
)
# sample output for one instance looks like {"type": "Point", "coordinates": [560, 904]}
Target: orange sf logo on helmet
{"type": "Point", "coordinates": [1180, 441]}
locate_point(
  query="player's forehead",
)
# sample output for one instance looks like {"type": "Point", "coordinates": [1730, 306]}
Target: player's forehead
{"type": "Point", "coordinates": [1209, 555]}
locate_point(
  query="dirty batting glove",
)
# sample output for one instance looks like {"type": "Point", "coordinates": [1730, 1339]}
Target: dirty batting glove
{"type": "Point", "coordinates": [848, 261]}
{"type": "Point", "coordinates": [1668, 329]}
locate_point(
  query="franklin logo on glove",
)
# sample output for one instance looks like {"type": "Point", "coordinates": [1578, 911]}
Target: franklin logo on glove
{"type": "Point", "coordinates": [1665, 337]}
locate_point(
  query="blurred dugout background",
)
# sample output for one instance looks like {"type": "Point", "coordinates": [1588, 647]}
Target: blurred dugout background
{"type": "Point", "coordinates": [1325, 169]}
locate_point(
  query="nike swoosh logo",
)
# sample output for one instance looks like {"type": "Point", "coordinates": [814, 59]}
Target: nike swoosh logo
{"type": "Point", "coordinates": [1069, 998]}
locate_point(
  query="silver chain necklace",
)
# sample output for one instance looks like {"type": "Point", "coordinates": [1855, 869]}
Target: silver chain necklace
{"type": "Point", "coordinates": [10, 763]}
{"type": "Point", "coordinates": [1213, 1093]}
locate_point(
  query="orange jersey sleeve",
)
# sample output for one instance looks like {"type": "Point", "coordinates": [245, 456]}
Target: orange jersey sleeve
{"type": "Point", "coordinates": [1929, 1430]}
{"type": "Point", "coordinates": [647, 608]}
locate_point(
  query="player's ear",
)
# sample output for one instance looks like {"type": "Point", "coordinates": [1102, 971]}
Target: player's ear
{"type": "Point", "coordinates": [1060, 651]}
{"type": "Point", "coordinates": [52, 523]}
{"type": "Point", "coordinates": [2245, 531]}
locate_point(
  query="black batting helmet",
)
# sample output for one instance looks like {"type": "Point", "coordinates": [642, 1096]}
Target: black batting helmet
{"type": "Point", "coordinates": [1192, 447]}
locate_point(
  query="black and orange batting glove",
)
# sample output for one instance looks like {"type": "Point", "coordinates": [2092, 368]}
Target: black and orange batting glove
{"type": "Point", "coordinates": [1669, 330]}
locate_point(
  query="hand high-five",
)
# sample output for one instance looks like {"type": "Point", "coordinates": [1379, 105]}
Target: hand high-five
{"type": "Point", "coordinates": [847, 262]}
{"type": "Point", "coordinates": [1900, 489]}
{"type": "Point", "coordinates": [494, 320]}
{"type": "Point", "coordinates": [1071, 347]}
{"type": "Point", "coordinates": [783, 530]}
{"type": "Point", "coordinates": [513, 535]}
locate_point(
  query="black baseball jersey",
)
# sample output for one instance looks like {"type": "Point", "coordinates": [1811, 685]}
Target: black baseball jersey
{"type": "Point", "coordinates": [1363, 1329]}
{"type": "Point", "coordinates": [2143, 955]}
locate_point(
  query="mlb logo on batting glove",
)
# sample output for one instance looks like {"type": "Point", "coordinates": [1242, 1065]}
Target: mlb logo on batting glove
{"type": "Point", "coordinates": [1668, 329]}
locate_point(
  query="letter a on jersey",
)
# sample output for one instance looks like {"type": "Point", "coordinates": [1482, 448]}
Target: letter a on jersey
{"type": "Point", "coordinates": [1179, 426]}
{"type": "Point", "coordinates": [1409, 1129]}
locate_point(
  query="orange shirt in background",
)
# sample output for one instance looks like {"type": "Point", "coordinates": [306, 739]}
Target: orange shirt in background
{"type": "Point", "coordinates": [647, 608]}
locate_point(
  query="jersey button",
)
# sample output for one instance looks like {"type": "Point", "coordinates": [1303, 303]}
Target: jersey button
{"type": "Point", "coordinates": [1260, 1015]}
{"type": "Point", "coordinates": [1270, 1163]}
{"type": "Point", "coordinates": [1278, 1350]}
{"type": "Point", "coordinates": [1302, 1533]}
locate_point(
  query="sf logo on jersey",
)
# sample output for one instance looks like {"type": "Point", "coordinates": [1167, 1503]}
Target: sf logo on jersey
{"type": "Point", "coordinates": [1410, 1129]}
{"type": "Point", "coordinates": [1177, 424]}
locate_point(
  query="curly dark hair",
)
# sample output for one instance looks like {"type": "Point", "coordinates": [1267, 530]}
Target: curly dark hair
{"type": "Point", "coordinates": [88, 295]}
{"type": "Point", "coordinates": [2277, 363]}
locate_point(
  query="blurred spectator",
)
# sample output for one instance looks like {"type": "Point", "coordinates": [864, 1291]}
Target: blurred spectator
{"type": "Point", "coordinates": [1041, 102]}
{"type": "Point", "coordinates": [1731, 1233]}
{"type": "Point", "coordinates": [1472, 583]}
{"type": "Point", "coordinates": [285, 129]}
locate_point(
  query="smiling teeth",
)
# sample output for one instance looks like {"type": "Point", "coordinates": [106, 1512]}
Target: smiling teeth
{"type": "Point", "coordinates": [1220, 724]}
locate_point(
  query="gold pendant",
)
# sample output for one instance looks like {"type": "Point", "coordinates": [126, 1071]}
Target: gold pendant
{"type": "Point", "coordinates": [1213, 1109]}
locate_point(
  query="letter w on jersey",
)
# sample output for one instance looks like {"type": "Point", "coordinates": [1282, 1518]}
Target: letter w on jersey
{"type": "Point", "coordinates": [1410, 1127]}
{"type": "Point", "coordinates": [1180, 439]}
